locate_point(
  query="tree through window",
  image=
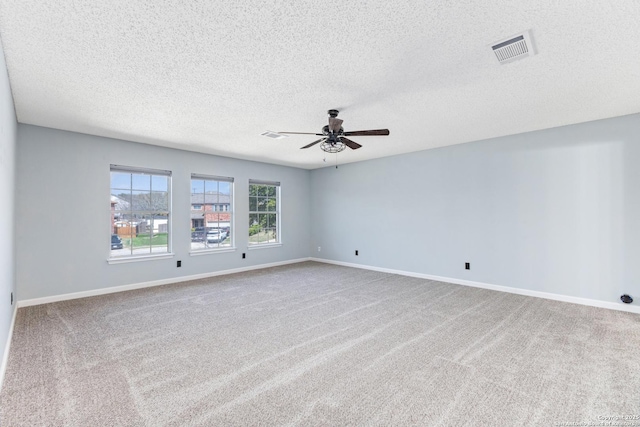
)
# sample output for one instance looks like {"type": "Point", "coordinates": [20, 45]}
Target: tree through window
{"type": "Point", "coordinates": [264, 212]}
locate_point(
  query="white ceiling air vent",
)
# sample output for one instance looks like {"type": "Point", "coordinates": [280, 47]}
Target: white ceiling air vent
{"type": "Point", "coordinates": [274, 135]}
{"type": "Point", "coordinates": [514, 48]}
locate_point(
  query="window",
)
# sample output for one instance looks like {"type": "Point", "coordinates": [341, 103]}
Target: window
{"type": "Point", "coordinates": [211, 228]}
{"type": "Point", "coordinates": [140, 211]}
{"type": "Point", "coordinates": [264, 212]}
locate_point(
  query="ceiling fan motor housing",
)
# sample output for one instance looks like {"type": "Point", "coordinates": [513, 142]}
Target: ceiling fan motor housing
{"type": "Point", "coordinates": [327, 132]}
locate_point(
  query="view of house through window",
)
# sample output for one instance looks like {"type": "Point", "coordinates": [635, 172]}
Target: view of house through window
{"type": "Point", "coordinates": [211, 212]}
{"type": "Point", "coordinates": [264, 209]}
{"type": "Point", "coordinates": [139, 211]}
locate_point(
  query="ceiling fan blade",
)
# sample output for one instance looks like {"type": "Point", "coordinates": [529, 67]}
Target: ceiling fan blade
{"type": "Point", "coordinates": [334, 124]}
{"type": "Point", "coordinates": [302, 133]}
{"type": "Point", "coordinates": [349, 143]}
{"type": "Point", "coordinates": [313, 143]}
{"type": "Point", "coordinates": [381, 132]}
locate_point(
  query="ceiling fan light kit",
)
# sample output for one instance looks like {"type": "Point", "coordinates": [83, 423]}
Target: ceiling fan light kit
{"type": "Point", "coordinates": [330, 147]}
{"type": "Point", "coordinates": [334, 137]}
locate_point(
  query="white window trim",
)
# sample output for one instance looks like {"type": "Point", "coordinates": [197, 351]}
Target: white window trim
{"type": "Point", "coordinates": [264, 246]}
{"type": "Point", "coordinates": [139, 258]}
{"type": "Point", "coordinates": [212, 251]}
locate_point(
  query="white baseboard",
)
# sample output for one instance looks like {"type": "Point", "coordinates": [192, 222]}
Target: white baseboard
{"type": "Point", "coordinates": [5, 356]}
{"type": "Point", "coordinates": [547, 295]}
{"type": "Point", "coordinates": [111, 290]}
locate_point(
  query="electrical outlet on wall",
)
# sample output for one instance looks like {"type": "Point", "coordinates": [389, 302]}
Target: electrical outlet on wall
{"type": "Point", "coordinates": [319, 248]}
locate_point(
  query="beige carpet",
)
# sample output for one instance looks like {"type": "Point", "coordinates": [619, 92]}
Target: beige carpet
{"type": "Point", "coordinates": [314, 344]}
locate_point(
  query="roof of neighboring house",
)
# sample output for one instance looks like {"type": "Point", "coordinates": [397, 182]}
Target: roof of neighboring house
{"type": "Point", "coordinates": [119, 203]}
{"type": "Point", "coordinates": [209, 198]}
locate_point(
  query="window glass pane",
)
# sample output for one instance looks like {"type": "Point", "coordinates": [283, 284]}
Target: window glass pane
{"type": "Point", "coordinates": [262, 190]}
{"type": "Point", "coordinates": [253, 219]}
{"type": "Point", "coordinates": [120, 180]}
{"type": "Point", "coordinates": [253, 204]}
{"type": "Point", "coordinates": [159, 183]}
{"type": "Point", "coordinates": [271, 220]}
{"type": "Point", "coordinates": [197, 186]}
{"type": "Point", "coordinates": [217, 236]}
{"type": "Point", "coordinates": [151, 234]}
{"type": "Point", "coordinates": [159, 201]}
{"type": "Point", "coordinates": [210, 198]}
{"type": "Point", "coordinates": [211, 187]}
{"type": "Point", "coordinates": [271, 191]}
{"type": "Point", "coordinates": [121, 239]}
{"type": "Point", "coordinates": [140, 200]}
{"type": "Point", "coordinates": [271, 204]}
{"type": "Point", "coordinates": [140, 182]}
{"type": "Point", "coordinates": [120, 200]}
{"type": "Point", "coordinates": [262, 204]}
{"type": "Point", "coordinates": [225, 188]}
{"type": "Point", "coordinates": [262, 222]}
{"type": "Point", "coordinates": [141, 242]}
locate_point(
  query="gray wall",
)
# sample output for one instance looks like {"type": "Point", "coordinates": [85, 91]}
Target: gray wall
{"type": "Point", "coordinates": [63, 212]}
{"type": "Point", "coordinates": [8, 127]}
{"type": "Point", "coordinates": [551, 211]}
{"type": "Point", "coordinates": [554, 211]}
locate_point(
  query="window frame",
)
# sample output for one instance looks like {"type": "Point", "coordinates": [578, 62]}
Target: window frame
{"type": "Point", "coordinates": [231, 211]}
{"type": "Point", "coordinates": [133, 257]}
{"type": "Point", "coordinates": [277, 212]}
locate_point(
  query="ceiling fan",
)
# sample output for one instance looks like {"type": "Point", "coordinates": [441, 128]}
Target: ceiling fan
{"type": "Point", "coordinates": [334, 137]}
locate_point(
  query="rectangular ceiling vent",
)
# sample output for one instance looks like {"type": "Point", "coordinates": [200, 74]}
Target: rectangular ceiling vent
{"type": "Point", "coordinates": [513, 48]}
{"type": "Point", "coordinates": [274, 135]}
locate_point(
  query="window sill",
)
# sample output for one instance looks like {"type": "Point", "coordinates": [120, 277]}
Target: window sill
{"type": "Point", "coordinates": [265, 246]}
{"type": "Point", "coordinates": [124, 260]}
{"type": "Point", "coordinates": [212, 251]}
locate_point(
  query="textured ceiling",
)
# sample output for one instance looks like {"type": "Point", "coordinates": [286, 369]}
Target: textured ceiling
{"type": "Point", "coordinates": [212, 76]}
